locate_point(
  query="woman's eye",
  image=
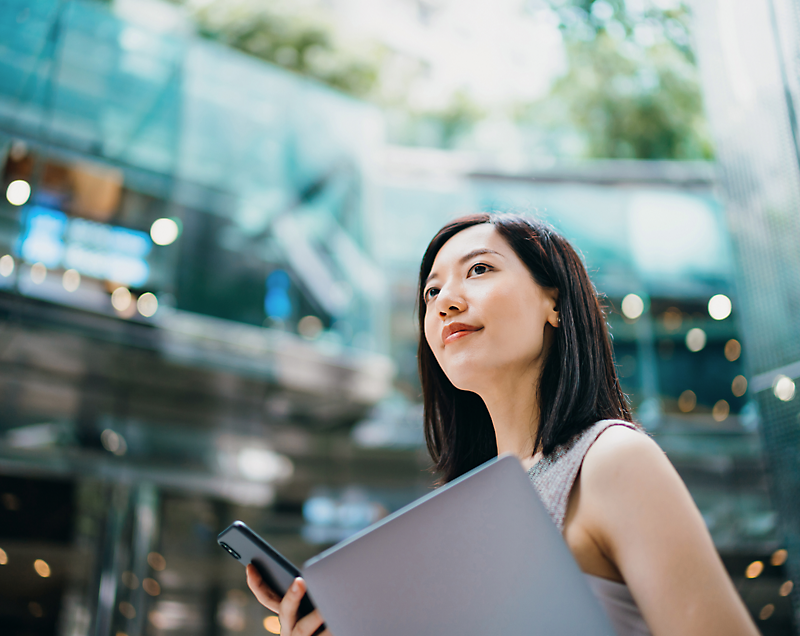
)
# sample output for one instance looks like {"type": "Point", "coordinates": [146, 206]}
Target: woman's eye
{"type": "Point", "coordinates": [479, 268]}
{"type": "Point", "coordinates": [430, 293]}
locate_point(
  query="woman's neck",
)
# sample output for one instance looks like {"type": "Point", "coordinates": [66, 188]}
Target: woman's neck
{"type": "Point", "coordinates": [514, 410]}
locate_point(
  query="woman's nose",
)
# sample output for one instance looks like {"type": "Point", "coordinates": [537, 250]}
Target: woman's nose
{"type": "Point", "coordinates": [448, 303]}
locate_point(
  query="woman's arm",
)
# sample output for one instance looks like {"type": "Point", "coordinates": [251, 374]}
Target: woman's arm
{"type": "Point", "coordinates": [642, 517]}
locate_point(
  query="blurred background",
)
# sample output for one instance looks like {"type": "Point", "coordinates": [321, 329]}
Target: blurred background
{"type": "Point", "coordinates": [211, 221]}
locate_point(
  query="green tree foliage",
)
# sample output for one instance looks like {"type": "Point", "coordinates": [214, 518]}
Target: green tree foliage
{"type": "Point", "coordinates": [289, 35]}
{"type": "Point", "coordinates": [632, 89]}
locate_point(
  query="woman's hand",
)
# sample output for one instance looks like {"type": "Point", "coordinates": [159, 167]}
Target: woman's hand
{"type": "Point", "coordinates": [286, 607]}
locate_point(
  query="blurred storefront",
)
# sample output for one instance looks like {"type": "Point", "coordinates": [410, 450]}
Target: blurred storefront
{"type": "Point", "coordinates": [207, 288]}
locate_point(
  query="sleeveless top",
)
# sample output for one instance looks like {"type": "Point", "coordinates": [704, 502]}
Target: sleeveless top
{"type": "Point", "coordinates": [553, 477]}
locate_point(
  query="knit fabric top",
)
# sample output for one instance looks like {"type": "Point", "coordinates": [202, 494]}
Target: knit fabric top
{"type": "Point", "coordinates": [554, 476]}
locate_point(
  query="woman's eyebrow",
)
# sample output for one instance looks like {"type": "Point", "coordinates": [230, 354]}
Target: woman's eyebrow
{"type": "Point", "coordinates": [466, 257]}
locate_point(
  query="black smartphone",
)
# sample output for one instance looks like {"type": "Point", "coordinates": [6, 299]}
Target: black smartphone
{"type": "Point", "coordinates": [277, 571]}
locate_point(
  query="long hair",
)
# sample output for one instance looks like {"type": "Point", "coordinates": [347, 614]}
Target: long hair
{"type": "Point", "coordinates": [578, 384]}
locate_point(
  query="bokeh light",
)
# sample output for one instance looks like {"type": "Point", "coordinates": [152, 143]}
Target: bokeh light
{"type": "Point", "coordinates": [272, 624]}
{"type": "Point", "coordinates": [672, 319]}
{"type": "Point", "coordinates": [739, 386]}
{"type": "Point", "coordinates": [733, 349]}
{"type": "Point", "coordinates": [720, 411]}
{"type": "Point", "coordinates": [783, 387]}
{"type": "Point", "coordinates": [3, 557]}
{"type": "Point", "coordinates": [38, 273]}
{"type": "Point", "coordinates": [695, 339]}
{"type": "Point", "coordinates": [779, 557]}
{"type": "Point", "coordinates": [18, 192]}
{"type": "Point", "coordinates": [687, 401]}
{"type": "Point", "coordinates": [309, 327]}
{"type": "Point", "coordinates": [113, 442]}
{"type": "Point", "coordinates": [6, 266]}
{"type": "Point", "coordinates": [127, 610]}
{"type": "Point", "coordinates": [151, 586]}
{"type": "Point", "coordinates": [632, 306]}
{"type": "Point", "coordinates": [786, 588]}
{"type": "Point", "coordinates": [164, 231]}
{"type": "Point", "coordinates": [766, 611]}
{"type": "Point", "coordinates": [71, 280]}
{"type": "Point", "coordinates": [156, 561]}
{"type": "Point", "coordinates": [121, 298]}
{"type": "Point", "coordinates": [42, 568]}
{"type": "Point", "coordinates": [754, 569]}
{"type": "Point", "coordinates": [719, 307]}
{"type": "Point", "coordinates": [147, 304]}
{"type": "Point", "coordinates": [130, 580]}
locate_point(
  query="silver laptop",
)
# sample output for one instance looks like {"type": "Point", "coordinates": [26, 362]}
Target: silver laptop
{"type": "Point", "coordinates": [477, 556]}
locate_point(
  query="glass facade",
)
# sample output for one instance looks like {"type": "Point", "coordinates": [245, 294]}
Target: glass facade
{"type": "Point", "coordinates": [207, 304]}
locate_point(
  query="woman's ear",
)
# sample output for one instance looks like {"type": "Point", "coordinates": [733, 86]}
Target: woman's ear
{"type": "Point", "coordinates": [553, 315]}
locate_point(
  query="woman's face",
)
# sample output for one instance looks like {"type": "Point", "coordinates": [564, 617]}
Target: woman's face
{"type": "Point", "coordinates": [485, 316]}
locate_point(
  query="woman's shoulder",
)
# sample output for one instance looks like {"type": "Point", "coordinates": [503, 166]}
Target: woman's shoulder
{"type": "Point", "coordinates": [621, 442]}
{"type": "Point", "coordinates": [625, 460]}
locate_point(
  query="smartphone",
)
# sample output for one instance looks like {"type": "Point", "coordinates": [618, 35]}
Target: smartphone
{"type": "Point", "coordinates": [277, 571]}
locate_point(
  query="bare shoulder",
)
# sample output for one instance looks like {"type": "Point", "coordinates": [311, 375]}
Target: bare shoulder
{"type": "Point", "coordinates": [629, 486]}
{"type": "Point", "coordinates": [622, 456]}
{"type": "Point", "coordinates": [640, 514]}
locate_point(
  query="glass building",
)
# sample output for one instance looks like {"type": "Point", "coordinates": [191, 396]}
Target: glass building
{"type": "Point", "coordinates": [207, 289]}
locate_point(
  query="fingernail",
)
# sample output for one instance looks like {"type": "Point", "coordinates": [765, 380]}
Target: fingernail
{"type": "Point", "coordinates": [296, 586]}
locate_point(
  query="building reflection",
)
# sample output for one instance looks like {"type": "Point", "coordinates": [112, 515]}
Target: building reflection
{"type": "Point", "coordinates": [207, 271]}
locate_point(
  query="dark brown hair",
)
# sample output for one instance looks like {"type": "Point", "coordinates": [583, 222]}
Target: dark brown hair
{"type": "Point", "coordinates": [578, 385]}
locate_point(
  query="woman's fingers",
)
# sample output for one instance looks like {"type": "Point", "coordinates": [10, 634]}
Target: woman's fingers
{"type": "Point", "coordinates": [307, 625]}
{"type": "Point", "coordinates": [265, 595]}
{"type": "Point", "coordinates": [287, 613]}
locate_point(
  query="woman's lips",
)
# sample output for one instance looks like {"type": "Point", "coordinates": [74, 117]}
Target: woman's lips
{"type": "Point", "coordinates": [457, 330]}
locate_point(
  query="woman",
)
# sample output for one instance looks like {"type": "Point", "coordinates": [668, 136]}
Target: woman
{"type": "Point", "coordinates": [516, 358]}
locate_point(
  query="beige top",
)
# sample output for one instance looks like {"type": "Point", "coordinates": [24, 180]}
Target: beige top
{"type": "Point", "coordinates": [553, 477]}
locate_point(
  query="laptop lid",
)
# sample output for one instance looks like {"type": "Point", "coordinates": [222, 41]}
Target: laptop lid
{"type": "Point", "coordinates": [479, 555]}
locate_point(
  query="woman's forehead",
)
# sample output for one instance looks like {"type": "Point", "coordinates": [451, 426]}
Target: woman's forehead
{"type": "Point", "coordinates": [476, 237]}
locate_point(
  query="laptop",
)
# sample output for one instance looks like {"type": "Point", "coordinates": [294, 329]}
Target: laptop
{"type": "Point", "coordinates": [479, 555]}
